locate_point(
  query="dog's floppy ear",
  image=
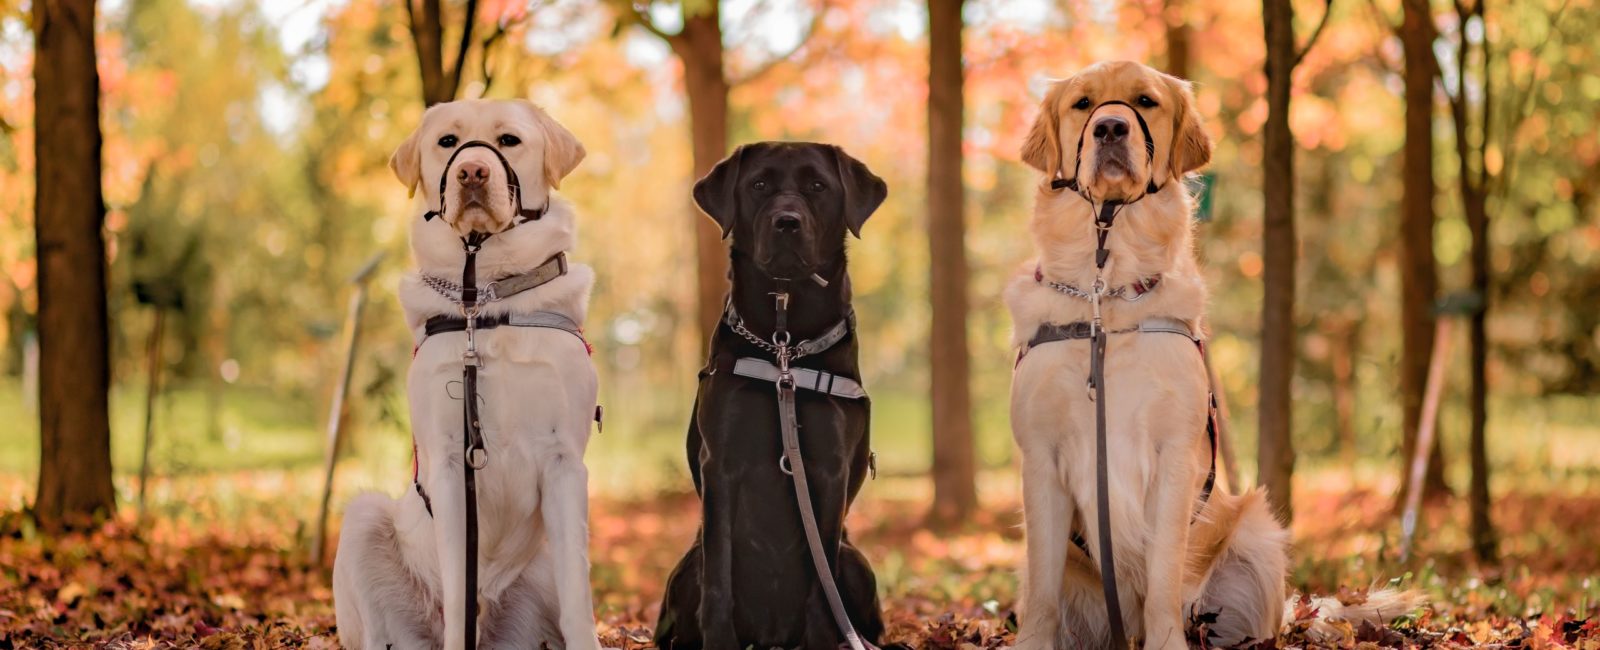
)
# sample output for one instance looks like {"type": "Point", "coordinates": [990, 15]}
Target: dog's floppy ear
{"type": "Point", "coordinates": [562, 151]}
{"type": "Point", "coordinates": [407, 162]}
{"type": "Point", "coordinates": [717, 193]}
{"type": "Point", "coordinates": [1042, 149]}
{"type": "Point", "coordinates": [1191, 147]}
{"type": "Point", "coordinates": [863, 190]}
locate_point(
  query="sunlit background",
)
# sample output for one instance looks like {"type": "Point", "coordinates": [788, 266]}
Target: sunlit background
{"type": "Point", "coordinates": [245, 169]}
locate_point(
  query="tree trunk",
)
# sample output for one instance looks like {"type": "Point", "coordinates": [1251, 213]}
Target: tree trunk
{"type": "Point", "coordinates": [1178, 50]}
{"type": "Point", "coordinates": [1474, 186]}
{"type": "Point", "coordinates": [954, 466]}
{"type": "Point", "coordinates": [1275, 451]}
{"type": "Point", "coordinates": [1483, 536]}
{"type": "Point", "coordinates": [74, 342]}
{"type": "Point", "coordinates": [427, 33]}
{"type": "Point", "coordinates": [699, 46]}
{"type": "Point", "coordinates": [1418, 271]}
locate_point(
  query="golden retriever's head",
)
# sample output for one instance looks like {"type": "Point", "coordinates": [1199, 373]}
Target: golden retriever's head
{"type": "Point", "coordinates": [476, 190]}
{"type": "Point", "coordinates": [1080, 136]}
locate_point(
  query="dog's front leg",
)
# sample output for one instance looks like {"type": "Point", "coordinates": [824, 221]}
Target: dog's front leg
{"type": "Point", "coordinates": [450, 535]}
{"type": "Point", "coordinates": [716, 583]}
{"type": "Point", "coordinates": [1174, 501]}
{"type": "Point", "coordinates": [1048, 512]}
{"type": "Point", "coordinates": [566, 518]}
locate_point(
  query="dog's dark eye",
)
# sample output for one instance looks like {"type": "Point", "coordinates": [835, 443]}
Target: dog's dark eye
{"type": "Point", "coordinates": [1083, 104]}
{"type": "Point", "coordinates": [1146, 102]}
{"type": "Point", "coordinates": [817, 186]}
{"type": "Point", "coordinates": [508, 140]}
{"type": "Point", "coordinates": [448, 141]}
{"type": "Point", "coordinates": [759, 186]}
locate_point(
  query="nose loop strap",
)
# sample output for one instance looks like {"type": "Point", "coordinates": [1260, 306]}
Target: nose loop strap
{"type": "Point", "coordinates": [514, 183]}
{"type": "Point", "coordinates": [1059, 183]}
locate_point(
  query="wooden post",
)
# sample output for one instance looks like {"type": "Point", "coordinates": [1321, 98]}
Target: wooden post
{"type": "Point", "coordinates": [335, 412]}
{"type": "Point", "coordinates": [152, 389]}
{"type": "Point", "coordinates": [1425, 433]}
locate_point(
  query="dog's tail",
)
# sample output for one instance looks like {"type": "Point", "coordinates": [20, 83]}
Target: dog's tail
{"type": "Point", "coordinates": [1328, 619]}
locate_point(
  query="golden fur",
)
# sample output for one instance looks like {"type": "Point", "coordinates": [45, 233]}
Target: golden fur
{"type": "Point", "coordinates": [1172, 564]}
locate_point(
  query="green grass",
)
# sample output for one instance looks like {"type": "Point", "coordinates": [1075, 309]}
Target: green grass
{"type": "Point", "coordinates": [640, 452]}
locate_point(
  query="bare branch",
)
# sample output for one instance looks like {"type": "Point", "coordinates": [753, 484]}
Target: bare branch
{"type": "Point", "coordinates": [1327, 11]}
{"type": "Point", "coordinates": [805, 37]}
{"type": "Point", "coordinates": [467, 24]}
{"type": "Point", "coordinates": [502, 29]}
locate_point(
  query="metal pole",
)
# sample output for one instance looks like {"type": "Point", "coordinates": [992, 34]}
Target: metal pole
{"type": "Point", "coordinates": [1425, 432]}
{"type": "Point", "coordinates": [340, 392]}
{"type": "Point", "coordinates": [151, 390]}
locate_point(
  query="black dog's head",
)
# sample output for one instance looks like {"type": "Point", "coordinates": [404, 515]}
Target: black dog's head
{"type": "Point", "coordinates": [788, 204]}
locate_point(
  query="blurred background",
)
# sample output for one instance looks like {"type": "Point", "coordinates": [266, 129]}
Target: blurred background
{"type": "Point", "coordinates": [1444, 154]}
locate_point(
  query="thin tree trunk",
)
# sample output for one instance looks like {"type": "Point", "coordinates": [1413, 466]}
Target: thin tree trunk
{"type": "Point", "coordinates": [1418, 269]}
{"type": "Point", "coordinates": [1178, 51]}
{"type": "Point", "coordinates": [954, 466]}
{"type": "Point", "coordinates": [1483, 535]}
{"type": "Point", "coordinates": [74, 342]}
{"type": "Point", "coordinates": [699, 46]}
{"type": "Point", "coordinates": [1474, 189]}
{"type": "Point", "coordinates": [1275, 451]}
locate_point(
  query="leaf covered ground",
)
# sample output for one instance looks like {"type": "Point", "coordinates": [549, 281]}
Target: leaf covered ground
{"type": "Point", "coordinates": [215, 576]}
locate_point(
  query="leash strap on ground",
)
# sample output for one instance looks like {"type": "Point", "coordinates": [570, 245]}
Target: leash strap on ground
{"type": "Point", "coordinates": [1097, 378]}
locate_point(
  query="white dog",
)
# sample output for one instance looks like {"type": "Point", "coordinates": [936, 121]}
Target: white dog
{"type": "Point", "coordinates": [398, 576]}
{"type": "Point", "coordinates": [1124, 132]}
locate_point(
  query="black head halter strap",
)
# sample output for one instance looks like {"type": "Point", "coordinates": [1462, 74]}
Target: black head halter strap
{"type": "Point", "coordinates": [524, 214]}
{"type": "Point", "coordinates": [1077, 157]}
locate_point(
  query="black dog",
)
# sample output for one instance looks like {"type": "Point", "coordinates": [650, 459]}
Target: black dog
{"type": "Point", "coordinates": [748, 580]}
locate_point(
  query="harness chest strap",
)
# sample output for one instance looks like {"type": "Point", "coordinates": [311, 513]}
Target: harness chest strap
{"type": "Point", "coordinates": [442, 324]}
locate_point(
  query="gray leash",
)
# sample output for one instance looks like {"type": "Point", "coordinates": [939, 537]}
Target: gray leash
{"type": "Point", "coordinates": [793, 463]}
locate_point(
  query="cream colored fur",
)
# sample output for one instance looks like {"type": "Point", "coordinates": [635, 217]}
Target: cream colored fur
{"type": "Point", "coordinates": [398, 575]}
{"type": "Point", "coordinates": [1172, 564]}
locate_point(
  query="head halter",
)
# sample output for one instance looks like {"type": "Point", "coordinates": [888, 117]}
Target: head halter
{"type": "Point", "coordinates": [1058, 183]}
{"type": "Point", "coordinates": [524, 214]}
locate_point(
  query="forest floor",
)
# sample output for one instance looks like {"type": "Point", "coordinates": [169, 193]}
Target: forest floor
{"type": "Point", "coordinates": [234, 573]}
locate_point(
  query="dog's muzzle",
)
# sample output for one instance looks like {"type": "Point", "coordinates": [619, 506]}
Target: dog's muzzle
{"type": "Point", "coordinates": [474, 177]}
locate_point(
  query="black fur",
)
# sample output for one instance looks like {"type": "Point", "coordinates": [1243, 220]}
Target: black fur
{"type": "Point", "coordinates": [748, 580]}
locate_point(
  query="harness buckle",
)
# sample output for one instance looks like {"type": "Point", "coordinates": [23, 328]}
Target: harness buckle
{"type": "Point", "coordinates": [477, 458]}
{"type": "Point", "coordinates": [783, 465]}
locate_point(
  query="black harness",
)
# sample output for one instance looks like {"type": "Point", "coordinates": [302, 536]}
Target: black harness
{"type": "Point", "coordinates": [474, 454]}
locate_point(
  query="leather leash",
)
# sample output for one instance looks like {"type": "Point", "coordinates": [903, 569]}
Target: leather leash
{"type": "Point", "coordinates": [1097, 383]}
{"type": "Point", "coordinates": [474, 457]}
{"type": "Point", "coordinates": [793, 463]}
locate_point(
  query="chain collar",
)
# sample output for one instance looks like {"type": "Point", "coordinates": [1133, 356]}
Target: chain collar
{"type": "Point", "coordinates": [1131, 293]}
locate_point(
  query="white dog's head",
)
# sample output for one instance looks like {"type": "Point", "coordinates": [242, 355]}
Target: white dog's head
{"type": "Point", "coordinates": [475, 192]}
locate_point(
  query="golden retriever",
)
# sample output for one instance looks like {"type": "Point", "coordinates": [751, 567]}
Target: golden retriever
{"type": "Point", "coordinates": [1123, 132]}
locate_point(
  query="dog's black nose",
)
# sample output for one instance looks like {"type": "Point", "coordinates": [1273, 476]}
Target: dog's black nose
{"type": "Point", "coordinates": [1109, 130]}
{"type": "Point", "coordinates": [786, 222]}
